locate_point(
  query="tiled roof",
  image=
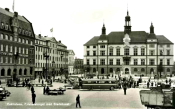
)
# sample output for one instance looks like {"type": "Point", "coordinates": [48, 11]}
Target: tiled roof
{"type": "Point", "coordinates": [135, 36]}
{"type": "Point", "coordinates": [103, 37]}
{"type": "Point", "coordinates": [163, 40]}
{"type": "Point", "coordinates": [8, 13]}
{"type": "Point", "coordinates": [40, 37]}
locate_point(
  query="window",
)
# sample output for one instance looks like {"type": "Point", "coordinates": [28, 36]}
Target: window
{"type": "Point", "coordinates": [2, 36]}
{"type": "Point", "coordinates": [111, 70]}
{"type": "Point", "coordinates": [161, 61]}
{"type": "Point", "coordinates": [168, 45]}
{"type": "Point", "coordinates": [19, 39]}
{"type": "Point", "coordinates": [2, 47]}
{"type": "Point", "coordinates": [151, 52]}
{"type": "Point", "coordinates": [110, 52]}
{"type": "Point", "coordinates": [168, 52]}
{"type": "Point", "coordinates": [168, 61]}
{"type": "Point", "coordinates": [142, 70]}
{"type": "Point", "coordinates": [94, 53]}
{"type": "Point", "coordinates": [168, 70]}
{"type": "Point", "coordinates": [135, 70]}
{"type": "Point", "coordinates": [135, 61]}
{"type": "Point", "coordinates": [151, 45]}
{"type": "Point", "coordinates": [110, 61]}
{"type": "Point", "coordinates": [102, 53]}
{"type": "Point", "coordinates": [87, 46]}
{"type": "Point", "coordinates": [94, 46]}
{"type": "Point", "coordinates": [7, 48]}
{"type": "Point", "coordinates": [10, 59]}
{"type": "Point", "coordinates": [11, 38]}
{"type": "Point", "coordinates": [27, 42]}
{"type": "Point", "coordinates": [87, 61]}
{"type": "Point", "coordinates": [135, 51]}
{"type": "Point", "coordinates": [87, 53]}
{"type": "Point", "coordinates": [142, 51]}
{"type": "Point", "coordinates": [26, 60]}
{"type": "Point", "coordinates": [142, 61]}
{"type": "Point", "coordinates": [102, 61]}
{"type": "Point", "coordinates": [23, 51]}
{"type": "Point", "coordinates": [118, 61]}
{"type": "Point", "coordinates": [22, 60]}
{"type": "Point", "coordinates": [6, 59]}
{"type": "Point", "coordinates": [26, 50]}
{"type": "Point", "coordinates": [94, 61]}
{"type": "Point", "coordinates": [94, 69]}
{"type": "Point", "coordinates": [161, 52]}
{"type": "Point", "coordinates": [126, 51]}
{"type": "Point", "coordinates": [6, 27]}
{"type": "Point", "coordinates": [102, 46]}
{"type": "Point", "coordinates": [1, 59]}
{"type": "Point", "coordinates": [151, 62]}
{"type": "Point", "coordinates": [118, 52]}
{"type": "Point", "coordinates": [2, 25]}
{"type": "Point", "coordinates": [23, 41]}
{"type": "Point", "coordinates": [15, 49]}
{"type": "Point", "coordinates": [6, 37]}
{"type": "Point", "coordinates": [11, 47]}
{"type": "Point", "coordinates": [31, 43]}
{"type": "Point", "coordinates": [15, 38]}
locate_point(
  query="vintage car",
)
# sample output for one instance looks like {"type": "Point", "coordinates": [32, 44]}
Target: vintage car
{"type": "Point", "coordinates": [2, 93]}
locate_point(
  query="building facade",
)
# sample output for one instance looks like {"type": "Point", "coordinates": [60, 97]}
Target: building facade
{"type": "Point", "coordinates": [78, 66]}
{"type": "Point", "coordinates": [129, 52]}
{"type": "Point", "coordinates": [50, 56]}
{"type": "Point", "coordinates": [71, 61]}
{"type": "Point", "coordinates": [17, 52]}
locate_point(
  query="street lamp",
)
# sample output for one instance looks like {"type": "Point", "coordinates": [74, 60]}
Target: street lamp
{"type": "Point", "coordinates": [46, 56]}
{"type": "Point", "coordinates": [16, 55]}
{"type": "Point", "coordinates": [53, 65]}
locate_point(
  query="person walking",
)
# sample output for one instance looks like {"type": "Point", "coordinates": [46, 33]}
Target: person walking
{"type": "Point", "coordinates": [78, 101]}
{"type": "Point", "coordinates": [125, 87]}
{"type": "Point", "coordinates": [32, 89]}
{"type": "Point", "coordinates": [33, 97]}
{"type": "Point", "coordinates": [42, 82]}
{"type": "Point", "coordinates": [47, 90]}
{"type": "Point", "coordinates": [44, 90]}
{"type": "Point", "coordinates": [148, 84]}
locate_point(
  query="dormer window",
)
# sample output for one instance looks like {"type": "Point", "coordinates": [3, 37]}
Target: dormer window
{"type": "Point", "coordinates": [30, 33]}
{"type": "Point", "coordinates": [19, 30]}
{"type": "Point", "coordinates": [23, 32]}
{"type": "Point", "coordinates": [6, 27]}
{"type": "Point", "coordinates": [26, 33]}
{"type": "Point", "coordinates": [2, 25]}
{"type": "Point", "coordinates": [102, 46]}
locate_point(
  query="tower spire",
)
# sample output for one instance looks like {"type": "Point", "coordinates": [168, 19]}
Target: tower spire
{"type": "Point", "coordinates": [103, 29]}
{"type": "Point", "coordinates": [152, 28]}
{"type": "Point", "coordinates": [127, 27]}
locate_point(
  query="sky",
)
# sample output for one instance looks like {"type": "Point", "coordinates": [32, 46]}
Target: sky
{"type": "Point", "coordinates": [75, 22]}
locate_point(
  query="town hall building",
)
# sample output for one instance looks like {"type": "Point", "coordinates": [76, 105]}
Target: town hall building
{"type": "Point", "coordinates": [129, 52]}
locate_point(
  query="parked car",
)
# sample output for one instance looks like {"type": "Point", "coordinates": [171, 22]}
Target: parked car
{"type": "Point", "coordinates": [68, 86]}
{"type": "Point", "coordinates": [2, 93]}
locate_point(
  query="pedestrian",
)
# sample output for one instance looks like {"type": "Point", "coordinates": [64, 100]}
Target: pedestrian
{"type": "Point", "coordinates": [33, 97]}
{"type": "Point", "coordinates": [39, 80]}
{"type": "Point", "coordinates": [78, 101]}
{"type": "Point", "coordinates": [42, 82]}
{"type": "Point", "coordinates": [148, 84]}
{"type": "Point", "coordinates": [0, 82]}
{"type": "Point", "coordinates": [23, 83]}
{"type": "Point", "coordinates": [125, 87]}
{"type": "Point", "coordinates": [32, 89]}
{"type": "Point", "coordinates": [44, 90]}
{"type": "Point", "coordinates": [134, 84]}
{"type": "Point", "coordinates": [47, 90]}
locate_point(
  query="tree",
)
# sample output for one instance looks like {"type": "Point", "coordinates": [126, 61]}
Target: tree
{"type": "Point", "coordinates": [160, 69]}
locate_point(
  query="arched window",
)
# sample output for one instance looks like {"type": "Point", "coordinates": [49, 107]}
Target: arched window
{"type": "Point", "coordinates": [94, 69]}
{"type": "Point", "coordinates": [168, 69]}
{"type": "Point", "coordinates": [20, 71]}
{"type": "Point", "coordinates": [9, 72]}
{"type": "Point", "coordinates": [11, 38]}
{"type": "Point", "coordinates": [6, 37]}
{"type": "Point", "coordinates": [3, 72]}
{"type": "Point", "coordinates": [135, 69]}
{"type": "Point", "coordinates": [111, 70]}
{"type": "Point", "coordinates": [142, 70]}
{"type": "Point", "coordinates": [25, 71]}
{"type": "Point", "coordinates": [19, 40]}
{"type": "Point", "coordinates": [2, 36]}
{"type": "Point", "coordinates": [2, 47]}
{"type": "Point", "coordinates": [118, 69]}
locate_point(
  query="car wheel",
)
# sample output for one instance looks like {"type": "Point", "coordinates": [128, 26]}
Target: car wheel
{"type": "Point", "coordinates": [112, 88]}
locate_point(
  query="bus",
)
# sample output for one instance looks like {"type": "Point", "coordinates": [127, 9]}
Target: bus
{"type": "Point", "coordinates": [91, 84]}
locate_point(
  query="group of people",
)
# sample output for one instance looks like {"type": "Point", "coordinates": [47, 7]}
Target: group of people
{"type": "Point", "coordinates": [46, 90]}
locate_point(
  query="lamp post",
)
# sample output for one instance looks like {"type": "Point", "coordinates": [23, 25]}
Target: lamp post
{"type": "Point", "coordinates": [16, 55]}
{"type": "Point", "coordinates": [46, 56]}
{"type": "Point", "coordinates": [53, 66]}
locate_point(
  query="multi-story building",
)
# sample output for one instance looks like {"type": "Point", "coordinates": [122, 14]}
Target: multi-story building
{"type": "Point", "coordinates": [54, 53]}
{"type": "Point", "coordinates": [129, 52]}
{"type": "Point", "coordinates": [78, 66]}
{"type": "Point", "coordinates": [71, 61]}
{"type": "Point", "coordinates": [17, 52]}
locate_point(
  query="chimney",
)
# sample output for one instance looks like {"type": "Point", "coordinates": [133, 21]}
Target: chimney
{"type": "Point", "coordinates": [16, 14]}
{"type": "Point", "coordinates": [39, 35]}
{"type": "Point", "coordinates": [59, 41]}
{"type": "Point", "coordinates": [7, 9]}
